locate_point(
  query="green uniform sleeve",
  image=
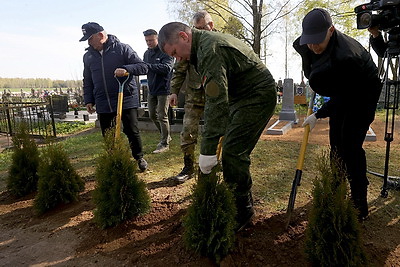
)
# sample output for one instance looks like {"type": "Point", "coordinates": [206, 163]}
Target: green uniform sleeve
{"type": "Point", "coordinates": [179, 76]}
{"type": "Point", "coordinates": [216, 112]}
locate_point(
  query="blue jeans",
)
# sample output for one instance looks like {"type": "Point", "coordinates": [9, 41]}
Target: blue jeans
{"type": "Point", "coordinates": [158, 113]}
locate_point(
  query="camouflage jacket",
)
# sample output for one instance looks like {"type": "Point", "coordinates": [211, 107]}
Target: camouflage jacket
{"type": "Point", "coordinates": [233, 77]}
{"type": "Point", "coordinates": [186, 74]}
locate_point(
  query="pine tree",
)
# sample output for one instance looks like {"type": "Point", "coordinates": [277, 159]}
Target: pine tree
{"type": "Point", "coordinates": [58, 180]}
{"type": "Point", "coordinates": [22, 175]}
{"type": "Point", "coordinates": [120, 194]}
{"type": "Point", "coordinates": [210, 220]}
{"type": "Point", "coordinates": [333, 232]}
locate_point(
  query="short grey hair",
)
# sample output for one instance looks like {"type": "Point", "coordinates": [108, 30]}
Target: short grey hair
{"type": "Point", "coordinates": [202, 14]}
{"type": "Point", "coordinates": [169, 33]}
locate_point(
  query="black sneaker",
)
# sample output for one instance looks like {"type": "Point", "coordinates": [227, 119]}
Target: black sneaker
{"type": "Point", "coordinates": [142, 164]}
{"type": "Point", "coordinates": [184, 175]}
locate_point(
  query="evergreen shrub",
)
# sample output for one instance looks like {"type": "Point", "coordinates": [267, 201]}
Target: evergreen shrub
{"type": "Point", "coordinates": [209, 224]}
{"type": "Point", "coordinates": [333, 231]}
{"type": "Point", "coordinates": [58, 183]}
{"type": "Point", "coordinates": [22, 175]}
{"type": "Point", "coordinates": [119, 194]}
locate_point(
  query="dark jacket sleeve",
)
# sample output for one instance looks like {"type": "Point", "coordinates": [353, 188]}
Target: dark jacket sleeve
{"type": "Point", "coordinates": [134, 64]}
{"type": "Point", "coordinates": [165, 65]}
{"type": "Point", "coordinates": [87, 83]}
{"type": "Point", "coordinates": [379, 45]}
{"type": "Point", "coordinates": [326, 109]}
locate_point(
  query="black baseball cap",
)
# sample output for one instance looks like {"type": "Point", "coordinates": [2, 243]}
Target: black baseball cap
{"type": "Point", "coordinates": [315, 26]}
{"type": "Point", "coordinates": [89, 29]}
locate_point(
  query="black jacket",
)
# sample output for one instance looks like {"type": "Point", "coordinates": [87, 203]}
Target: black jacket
{"type": "Point", "coordinates": [345, 72]}
{"type": "Point", "coordinates": [99, 85]}
{"type": "Point", "coordinates": [160, 71]}
{"type": "Point", "coordinates": [379, 45]}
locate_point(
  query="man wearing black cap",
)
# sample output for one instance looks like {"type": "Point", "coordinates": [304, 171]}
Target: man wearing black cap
{"type": "Point", "coordinates": [338, 66]}
{"type": "Point", "coordinates": [105, 58]}
{"type": "Point", "coordinates": [158, 77]}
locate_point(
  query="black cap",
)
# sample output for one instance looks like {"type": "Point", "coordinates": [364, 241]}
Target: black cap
{"type": "Point", "coordinates": [89, 29]}
{"type": "Point", "coordinates": [149, 32]}
{"type": "Point", "coordinates": [315, 26]}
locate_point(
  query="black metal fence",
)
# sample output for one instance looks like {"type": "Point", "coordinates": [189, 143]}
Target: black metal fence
{"type": "Point", "coordinates": [36, 113]}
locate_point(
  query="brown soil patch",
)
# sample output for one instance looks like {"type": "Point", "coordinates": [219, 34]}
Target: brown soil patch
{"type": "Point", "coordinates": [68, 236]}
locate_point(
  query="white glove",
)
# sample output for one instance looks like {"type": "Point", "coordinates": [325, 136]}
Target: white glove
{"type": "Point", "coordinates": [207, 162]}
{"type": "Point", "coordinates": [310, 120]}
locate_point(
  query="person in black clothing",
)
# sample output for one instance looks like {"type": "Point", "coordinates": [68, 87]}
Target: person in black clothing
{"type": "Point", "coordinates": [338, 66]}
{"type": "Point", "coordinates": [158, 77]}
{"type": "Point", "coordinates": [105, 58]}
{"type": "Point", "coordinates": [376, 40]}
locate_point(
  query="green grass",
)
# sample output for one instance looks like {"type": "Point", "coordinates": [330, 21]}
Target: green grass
{"type": "Point", "coordinates": [273, 166]}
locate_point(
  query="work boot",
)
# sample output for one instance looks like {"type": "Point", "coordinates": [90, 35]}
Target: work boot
{"type": "Point", "coordinates": [359, 197]}
{"type": "Point", "coordinates": [245, 211]}
{"type": "Point", "coordinates": [361, 205]}
{"type": "Point", "coordinates": [187, 170]}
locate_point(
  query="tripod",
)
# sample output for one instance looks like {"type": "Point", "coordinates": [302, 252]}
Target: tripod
{"type": "Point", "coordinates": [391, 87]}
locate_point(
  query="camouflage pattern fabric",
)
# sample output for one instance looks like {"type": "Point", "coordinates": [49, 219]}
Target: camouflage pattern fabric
{"type": "Point", "coordinates": [194, 103]}
{"type": "Point", "coordinates": [240, 100]}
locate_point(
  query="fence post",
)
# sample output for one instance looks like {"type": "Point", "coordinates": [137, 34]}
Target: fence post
{"type": "Point", "coordinates": [52, 116]}
{"type": "Point", "coordinates": [8, 119]}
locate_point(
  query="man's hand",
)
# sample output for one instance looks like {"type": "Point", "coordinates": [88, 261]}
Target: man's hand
{"type": "Point", "coordinates": [173, 100]}
{"type": "Point", "coordinates": [90, 108]}
{"type": "Point", "coordinates": [310, 120]}
{"type": "Point", "coordinates": [375, 32]}
{"type": "Point", "coordinates": [119, 72]}
{"type": "Point", "coordinates": [207, 162]}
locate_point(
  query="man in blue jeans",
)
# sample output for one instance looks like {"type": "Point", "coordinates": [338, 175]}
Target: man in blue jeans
{"type": "Point", "coordinates": [158, 78]}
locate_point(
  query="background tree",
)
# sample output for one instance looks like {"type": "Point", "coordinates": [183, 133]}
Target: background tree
{"type": "Point", "coordinates": [256, 18]}
{"type": "Point", "coordinates": [260, 23]}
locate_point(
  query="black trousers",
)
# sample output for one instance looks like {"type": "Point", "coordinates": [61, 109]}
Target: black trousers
{"type": "Point", "coordinates": [347, 130]}
{"type": "Point", "coordinates": [129, 118]}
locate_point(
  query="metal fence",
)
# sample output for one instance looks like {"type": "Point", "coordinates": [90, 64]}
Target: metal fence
{"type": "Point", "coordinates": [36, 113]}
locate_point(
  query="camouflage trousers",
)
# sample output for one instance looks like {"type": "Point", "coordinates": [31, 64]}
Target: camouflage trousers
{"type": "Point", "coordinates": [190, 127]}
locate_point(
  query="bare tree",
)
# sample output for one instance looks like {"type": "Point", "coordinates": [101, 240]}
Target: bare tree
{"type": "Point", "coordinates": [258, 19]}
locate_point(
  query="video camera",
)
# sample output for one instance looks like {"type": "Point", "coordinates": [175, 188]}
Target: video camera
{"type": "Point", "coordinates": [387, 14]}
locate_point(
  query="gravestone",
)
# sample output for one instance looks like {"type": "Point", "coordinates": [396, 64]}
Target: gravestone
{"type": "Point", "coordinates": [288, 115]}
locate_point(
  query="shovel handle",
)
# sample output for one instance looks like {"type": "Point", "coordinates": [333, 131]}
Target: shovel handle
{"type": "Point", "coordinates": [219, 148]}
{"type": "Point", "coordinates": [121, 83]}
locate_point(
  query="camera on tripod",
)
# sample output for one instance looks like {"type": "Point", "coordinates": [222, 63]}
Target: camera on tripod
{"type": "Point", "coordinates": [382, 13]}
{"type": "Point", "coordinates": [385, 14]}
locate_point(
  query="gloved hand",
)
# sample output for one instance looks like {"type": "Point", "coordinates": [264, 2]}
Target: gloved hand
{"type": "Point", "coordinates": [207, 162]}
{"type": "Point", "coordinates": [310, 120]}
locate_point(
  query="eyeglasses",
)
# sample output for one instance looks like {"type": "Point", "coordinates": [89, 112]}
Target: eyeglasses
{"type": "Point", "coordinates": [205, 27]}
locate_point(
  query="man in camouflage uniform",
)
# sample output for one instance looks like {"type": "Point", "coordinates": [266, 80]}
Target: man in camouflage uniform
{"type": "Point", "coordinates": [194, 100]}
{"type": "Point", "coordinates": [240, 99]}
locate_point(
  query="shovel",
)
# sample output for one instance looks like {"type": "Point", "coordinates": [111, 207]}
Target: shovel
{"type": "Point", "coordinates": [300, 163]}
{"type": "Point", "coordinates": [121, 81]}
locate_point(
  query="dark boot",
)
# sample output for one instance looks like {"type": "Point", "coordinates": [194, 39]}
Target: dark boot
{"type": "Point", "coordinates": [359, 197]}
{"type": "Point", "coordinates": [245, 210]}
{"type": "Point", "coordinates": [361, 204]}
{"type": "Point", "coordinates": [187, 170]}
